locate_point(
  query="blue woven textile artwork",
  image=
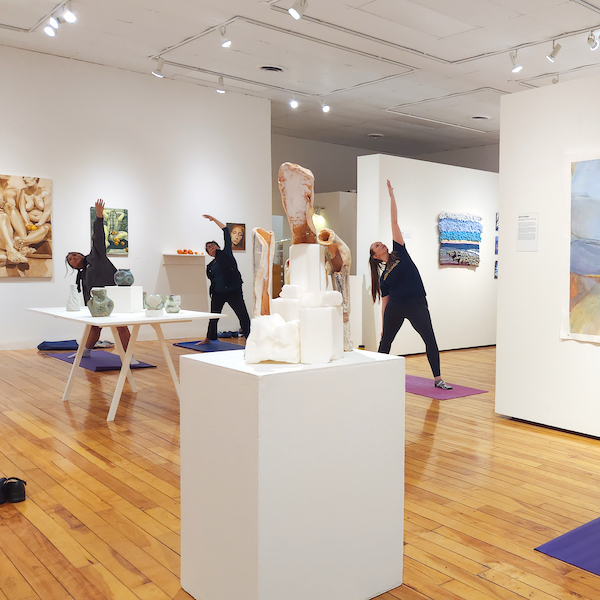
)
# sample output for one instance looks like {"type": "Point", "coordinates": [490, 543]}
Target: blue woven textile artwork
{"type": "Point", "coordinates": [460, 236]}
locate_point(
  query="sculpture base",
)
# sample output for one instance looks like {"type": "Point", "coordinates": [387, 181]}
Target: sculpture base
{"type": "Point", "coordinates": [127, 299]}
{"type": "Point", "coordinates": [292, 486]}
{"type": "Point", "coordinates": [154, 313]}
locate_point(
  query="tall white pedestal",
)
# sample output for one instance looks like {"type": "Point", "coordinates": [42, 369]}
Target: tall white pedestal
{"type": "Point", "coordinates": [292, 477]}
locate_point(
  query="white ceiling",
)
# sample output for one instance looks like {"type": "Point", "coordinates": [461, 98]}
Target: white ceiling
{"type": "Point", "coordinates": [415, 71]}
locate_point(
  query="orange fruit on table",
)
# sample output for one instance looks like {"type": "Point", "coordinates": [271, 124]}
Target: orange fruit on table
{"type": "Point", "coordinates": [179, 251]}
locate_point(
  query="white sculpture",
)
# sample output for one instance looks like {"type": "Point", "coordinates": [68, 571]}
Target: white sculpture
{"type": "Point", "coordinates": [263, 245]}
{"type": "Point", "coordinates": [338, 263]}
{"type": "Point", "coordinates": [73, 303]}
{"type": "Point", "coordinates": [306, 323]}
{"type": "Point", "coordinates": [271, 338]}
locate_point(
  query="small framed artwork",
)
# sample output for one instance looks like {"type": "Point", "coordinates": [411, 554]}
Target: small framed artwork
{"type": "Point", "coordinates": [496, 270]}
{"type": "Point", "coordinates": [238, 236]}
{"type": "Point", "coordinates": [116, 230]}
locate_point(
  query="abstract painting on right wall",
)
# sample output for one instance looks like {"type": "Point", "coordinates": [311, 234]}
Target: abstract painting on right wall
{"type": "Point", "coordinates": [584, 299]}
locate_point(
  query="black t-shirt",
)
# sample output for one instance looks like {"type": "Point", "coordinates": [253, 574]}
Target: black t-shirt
{"type": "Point", "coordinates": [401, 280]}
{"type": "Point", "coordinates": [223, 270]}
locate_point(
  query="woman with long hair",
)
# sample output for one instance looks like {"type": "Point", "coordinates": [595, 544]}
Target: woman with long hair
{"type": "Point", "coordinates": [396, 280]}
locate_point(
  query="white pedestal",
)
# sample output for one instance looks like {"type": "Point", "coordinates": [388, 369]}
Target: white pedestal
{"type": "Point", "coordinates": [127, 299]}
{"type": "Point", "coordinates": [292, 477]}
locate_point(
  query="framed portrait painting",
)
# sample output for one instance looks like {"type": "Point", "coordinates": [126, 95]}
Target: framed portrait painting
{"type": "Point", "coordinates": [238, 236]}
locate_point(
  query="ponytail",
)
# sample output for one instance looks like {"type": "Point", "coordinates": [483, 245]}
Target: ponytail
{"type": "Point", "coordinates": [377, 267]}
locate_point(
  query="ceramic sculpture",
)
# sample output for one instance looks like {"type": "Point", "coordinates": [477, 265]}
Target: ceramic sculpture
{"type": "Point", "coordinates": [123, 277]}
{"type": "Point", "coordinates": [296, 186]}
{"type": "Point", "coordinates": [73, 303]}
{"type": "Point", "coordinates": [263, 244]}
{"type": "Point", "coordinates": [100, 304]}
{"type": "Point", "coordinates": [173, 303]}
{"type": "Point", "coordinates": [338, 263]}
{"type": "Point", "coordinates": [153, 302]}
{"type": "Point", "coordinates": [271, 338]}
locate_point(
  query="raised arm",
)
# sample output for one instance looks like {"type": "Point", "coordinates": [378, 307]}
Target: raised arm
{"type": "Point", "coordinates": [215, 221]}
{"type": "Point", "coordinates": [396, 233]}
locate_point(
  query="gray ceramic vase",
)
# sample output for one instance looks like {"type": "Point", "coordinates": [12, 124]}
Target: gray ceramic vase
{"type": "Point", "coordinates": [123, 277]}
{"type": "Point", "coordinates": [100, 304]}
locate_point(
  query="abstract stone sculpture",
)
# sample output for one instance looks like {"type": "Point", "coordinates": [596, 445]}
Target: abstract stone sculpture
{"type": "Point", "coordinates": [173, 303]}
{"type": "Point", "coordinates": [100, 304]}
{"type": "Point", "coordinates": [73, 303]}
{"type": "Point", "coordinates": [263, 244]}
{"type": "Point", "coordinates": [296, 186]}
{"type": "Point", "coordinates": [338, 263]}
{"type": "Point", "coordinates": [123, 277]}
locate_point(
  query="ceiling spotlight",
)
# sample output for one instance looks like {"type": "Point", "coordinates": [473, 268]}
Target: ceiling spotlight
{"type": "Point", "coordinates": [68, 15]}
{"type": "Point", "coordinates": [53, 21]}
{"type": "Point", "coordinates": [298, 8]}
{"type": "Point", "coordinates": [225, 41]}
{"type": "Point", "coordinates": [593, 43]}
{"type": "Point", "coordinates": [516, 67]}
{"type": "Point", "coordinates": [555, 50]}
{"type": "Point", "coordinates": [325, 107]}
{"type": "Point", "coordinates": [293, 102]}
{"type": "Point", "coordinates": [157, 72]}
{"type": "Point", "coordinates": [220, 85]}
{"type": "Point", "coordinates": [49, 31]}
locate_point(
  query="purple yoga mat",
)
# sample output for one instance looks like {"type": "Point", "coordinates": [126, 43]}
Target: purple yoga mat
{"type": "Point", "coordinates": [100, 360]}
{"type": "Point", "coordinates": [578, 547]}
{"type": "Point", "coordinates": [425, 387]}
{"type": "Point", "coordinates": [213, 346]}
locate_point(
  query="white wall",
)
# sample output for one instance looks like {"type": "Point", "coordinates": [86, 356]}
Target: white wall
{"type": "Point", "coordinates": [462, 300]}
{"type": "Point", "coordinates": [540, 377]}
{"type": "Point", "coordinates": [484, 158]}
{"type": "Point", "coordinates": [167, 151]}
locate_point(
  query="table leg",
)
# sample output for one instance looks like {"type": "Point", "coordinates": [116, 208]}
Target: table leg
{"type": "Point", "coordinates": [123, 374]}
{"type": "Point", "coordinates": [76, 362]}
{"type": "Point", "coordinates": [165, 349]}
{"type": "Point", "coordinates": [121, 352]}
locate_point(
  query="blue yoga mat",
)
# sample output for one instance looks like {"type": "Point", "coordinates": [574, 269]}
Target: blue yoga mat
{"type": "Point", "coordinates": [213, 346]}
{"type": "Point", "coordinates": [61, 345]}
{"type": "Point", "coordinates": [578, 547]}
{"type": "Point", "coordinates": [100, 360]}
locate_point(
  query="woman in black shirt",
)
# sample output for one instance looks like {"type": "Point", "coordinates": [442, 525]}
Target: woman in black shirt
{"type": "Point", "coordinates": [96, 270]}
{"type": "Point", "coordinates": [396, 280]}
{"type": "Point", "coordinates": [225, 283]}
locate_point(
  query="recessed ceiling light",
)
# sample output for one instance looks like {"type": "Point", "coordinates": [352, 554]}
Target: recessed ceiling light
{"type": "Point", "coordinates": [480, 118]}
{"type": "Point", "coordinates": [375, 136]}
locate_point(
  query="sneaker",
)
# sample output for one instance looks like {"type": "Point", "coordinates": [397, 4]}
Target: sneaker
{"type": "Point", "coordinates": [442, 385]}
{"type": "Point", "coordinates": [13, 489]}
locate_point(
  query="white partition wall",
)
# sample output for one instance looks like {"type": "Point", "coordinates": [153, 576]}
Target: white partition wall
{"type": "Point", "coordinates": [462, 300]}
{"type": "Point", "coordinates": [167, 151]}
{"type": "Point", "coordinates": [540, 377]}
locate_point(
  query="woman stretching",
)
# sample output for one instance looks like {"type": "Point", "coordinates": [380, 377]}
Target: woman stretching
{"type": "Point", "coordinates": [96, 270]}
{"type": "Point", "coordinates": [396, 280]}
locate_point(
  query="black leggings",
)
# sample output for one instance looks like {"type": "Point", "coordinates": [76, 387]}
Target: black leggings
{"type": "Point", "coordinates": [235, 299]}
{"type": "Point", "coordinates": [417, 312]}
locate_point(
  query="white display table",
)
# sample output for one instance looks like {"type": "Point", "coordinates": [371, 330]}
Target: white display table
{"type": "Point", "coordinates": [292, 477]}
{"type": "Point", "coordinates": [119, 320]}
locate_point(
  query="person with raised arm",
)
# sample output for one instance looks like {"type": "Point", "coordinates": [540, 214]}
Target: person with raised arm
{"type": "Point", "coordinates": [396, 280]}
{"type": "Point", "coordinates": [96, 270]}
{"type": "Point", "coordinates": [225, 283]}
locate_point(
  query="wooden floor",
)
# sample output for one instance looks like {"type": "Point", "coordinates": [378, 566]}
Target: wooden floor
{"type": "Point", "coordinates": [102, 515]}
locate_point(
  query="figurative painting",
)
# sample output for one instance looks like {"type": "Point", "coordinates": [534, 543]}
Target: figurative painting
{"type": "Point", "coordinates": [460, 236]}
{"type": "Point", "coordinates": [584, 297]}
{"type": "Point", "coordinates": [116, 230]}
{"type": "Point", "coordinates": [25, 227]}
{"type": "Point", "coordinates": [238, 236]}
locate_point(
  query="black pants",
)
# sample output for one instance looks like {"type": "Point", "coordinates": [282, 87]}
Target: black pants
{"type": "Point", "coordinates": [417, 313]}
{"type": "Point", "coordinates": [235, 299]}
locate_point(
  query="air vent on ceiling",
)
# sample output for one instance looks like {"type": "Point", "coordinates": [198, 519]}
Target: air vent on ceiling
{"type": "Point", "coordinates": [271, 69]}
